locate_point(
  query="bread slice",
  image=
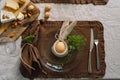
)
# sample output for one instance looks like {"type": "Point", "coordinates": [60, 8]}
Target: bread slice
{"type": "Point", "coordinates": [12, 4]}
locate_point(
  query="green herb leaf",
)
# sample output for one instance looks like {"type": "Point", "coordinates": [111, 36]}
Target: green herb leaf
{"type": "Point", "coordinates": [75, 42]}
{"type": "Point", "coordinates": [29, 38]}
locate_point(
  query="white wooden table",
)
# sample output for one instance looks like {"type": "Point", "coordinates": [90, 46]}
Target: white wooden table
{"type": "Point", "coordinates": [108, 15]}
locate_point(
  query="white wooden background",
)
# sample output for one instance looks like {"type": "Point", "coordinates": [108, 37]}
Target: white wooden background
{"type": "Point", "coordinates": [110, 17]}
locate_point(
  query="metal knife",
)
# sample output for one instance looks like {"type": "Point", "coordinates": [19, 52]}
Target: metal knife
{"type": "Point", "coordinates": [90, 50]}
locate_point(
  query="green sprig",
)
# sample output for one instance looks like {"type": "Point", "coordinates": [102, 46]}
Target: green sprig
{"type": "Point", "coordinates": [75, 42]}
{"type": "Point", "coordinates": [29, 38]}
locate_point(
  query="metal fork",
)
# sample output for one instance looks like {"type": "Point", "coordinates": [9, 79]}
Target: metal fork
{"type": "Point", "coordinates": [96, 41]}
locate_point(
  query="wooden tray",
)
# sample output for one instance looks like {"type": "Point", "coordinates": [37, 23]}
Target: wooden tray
{"type": "Point", "coordinates": [95, 2]}
{"type": "Point", "coordinates": [6, 30]}
{"type": "Point", "coordinates": [83, 27]}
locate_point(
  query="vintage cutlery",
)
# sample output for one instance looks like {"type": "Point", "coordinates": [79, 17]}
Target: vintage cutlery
{"type": "Point", "coordinates": [90, 51]}
{"type": "Point", "coordinates": [96, 41]}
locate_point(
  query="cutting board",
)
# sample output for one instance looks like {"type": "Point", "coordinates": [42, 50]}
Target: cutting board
{"type": "Point", "coordinates": [6, 30]}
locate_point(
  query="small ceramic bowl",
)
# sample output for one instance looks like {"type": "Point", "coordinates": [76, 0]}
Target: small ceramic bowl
{"type": "Point", "coordinates": [60, 54]}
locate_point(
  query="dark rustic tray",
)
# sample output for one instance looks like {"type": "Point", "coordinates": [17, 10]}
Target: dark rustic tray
{"type": "Point", "coordinates": [83, 27]}
{"type": "Point", "coordinates": [95, 2]}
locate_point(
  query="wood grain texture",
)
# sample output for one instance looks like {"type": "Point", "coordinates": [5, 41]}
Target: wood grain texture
{"type": "Point", "coordinates": [95, 2]}
{"type": "Point", "coordinates": [5, 32]}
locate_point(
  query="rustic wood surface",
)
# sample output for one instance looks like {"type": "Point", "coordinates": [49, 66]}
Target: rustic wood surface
{"type": "Point", "coordinates": [6, 32]}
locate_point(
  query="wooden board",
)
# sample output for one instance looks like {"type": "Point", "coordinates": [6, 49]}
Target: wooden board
{"type": "Point", "coordinates": [4, 27]}
{"type": "Point", "coordinates": [6, 30]}
{"type": "Point", "coordinates": [95, 2]}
